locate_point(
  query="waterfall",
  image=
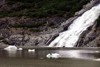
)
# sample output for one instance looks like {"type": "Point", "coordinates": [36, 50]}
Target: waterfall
{"type": "Point", "coordinates": [70, 37]}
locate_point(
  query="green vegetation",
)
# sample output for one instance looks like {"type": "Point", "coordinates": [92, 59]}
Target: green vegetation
{"type": "Point", "coordinates": [4, 13]}
{"type": "Point", "coordinates": [1, 38]}
{"type": "Point", "coordinates": [10, 2]}
{"type": "Point", "coordinates": [1, 6]}
{"type": "Point", "coordinates": [22, 33]}
{"type": "Point", "coordinates": [51, 24]}
{"type": "Point", "coordinates": [23, 6]}
{"type": "Point", "coordinates": [43, 8]}
{"type": "Point", "coordinates": [35, 30]}
{"type": "Point", "coordinates": [28, 25]}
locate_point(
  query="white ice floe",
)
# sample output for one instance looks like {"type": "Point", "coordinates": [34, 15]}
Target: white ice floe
{"type": "Point", "coordinates": [53, 55]}
{"type": "Point", "coordinates": [20, 49]}
{"type": "Point", "coordinates": [11, 48]}
{"type": "Point", "coordinates": [31, 50]}
{"type": "Point", "coordinates": [48, 55]}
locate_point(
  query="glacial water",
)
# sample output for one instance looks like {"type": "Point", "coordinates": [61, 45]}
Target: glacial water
{"type": "Point", "coordinates": [69, 58]}
{"type": "Point", "coordinates": [70, 37]}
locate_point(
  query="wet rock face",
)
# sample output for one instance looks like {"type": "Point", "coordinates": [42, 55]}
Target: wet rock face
{"type": "Point", "coordinates": [5, 22]}
{"type": "Point", "coordinates": [94, 43]}
{"type": "Point", "coordinates": [87, 36]}
{"type": "Point", "coordinates": [29, 40]}
{"type": "Point", "coordinates": [4, 33]}
{"type": "Point", "coordinates": [14, 36]}
{"type": "Point", "coordinates": [18, 40]}
{"type": "Point", "coordinates": [92, 38]}
{"type": "Point", "coordinates": [98, 42]}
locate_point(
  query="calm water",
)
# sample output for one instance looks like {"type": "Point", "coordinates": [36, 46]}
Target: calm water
{"type": "Point", "coordinates": [69, 58]}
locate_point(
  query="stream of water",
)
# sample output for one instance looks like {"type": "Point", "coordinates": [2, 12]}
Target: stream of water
{"type": "Point", "coordinates": [70, 37]}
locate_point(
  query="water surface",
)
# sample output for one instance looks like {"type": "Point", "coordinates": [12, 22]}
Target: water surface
{"type": "Point", "coordinates": [69, 58]}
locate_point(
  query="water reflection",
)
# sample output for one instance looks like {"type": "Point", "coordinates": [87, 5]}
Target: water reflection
{"type": "Point", "coordinates": [19, 54]}
{"type": "Point", "coordinates": [41, 54]}
{"type": "Point", "coordinates": [83, 54]}
{"type": "Point", "coordinates": [12, 53]}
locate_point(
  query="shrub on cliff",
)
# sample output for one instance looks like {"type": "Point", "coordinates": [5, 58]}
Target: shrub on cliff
{"type": "Point", "coordinates": [10, 2]}
{"type": "Point", "coordinates": [4, 13]}
{"type": "Point", "coordinates": [23, 6]}
{"type": "Point", "coordinates": [29, 25]}
{"type": "Point", "coordinates": [35, 30]}
{"type": "Point", "coordinates": [51, 24]}
{"type": "Point", "coordinates": [45, 8]}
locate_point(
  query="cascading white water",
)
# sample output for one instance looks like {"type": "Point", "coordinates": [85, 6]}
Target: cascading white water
{"type": "Point", "coordinates": [71, 36]}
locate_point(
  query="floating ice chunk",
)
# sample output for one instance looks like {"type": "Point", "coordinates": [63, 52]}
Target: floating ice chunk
{"type": "Point", "coordinates": [31, 50]}
{"type": "Point", "coordinates": [53, 55]}
{"type": "Point", "coordinates": [20, 49]}
{"type": "Point", "coordinates": [11, 48]}
{"type": "Point", "coordinates": [48, 55]}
